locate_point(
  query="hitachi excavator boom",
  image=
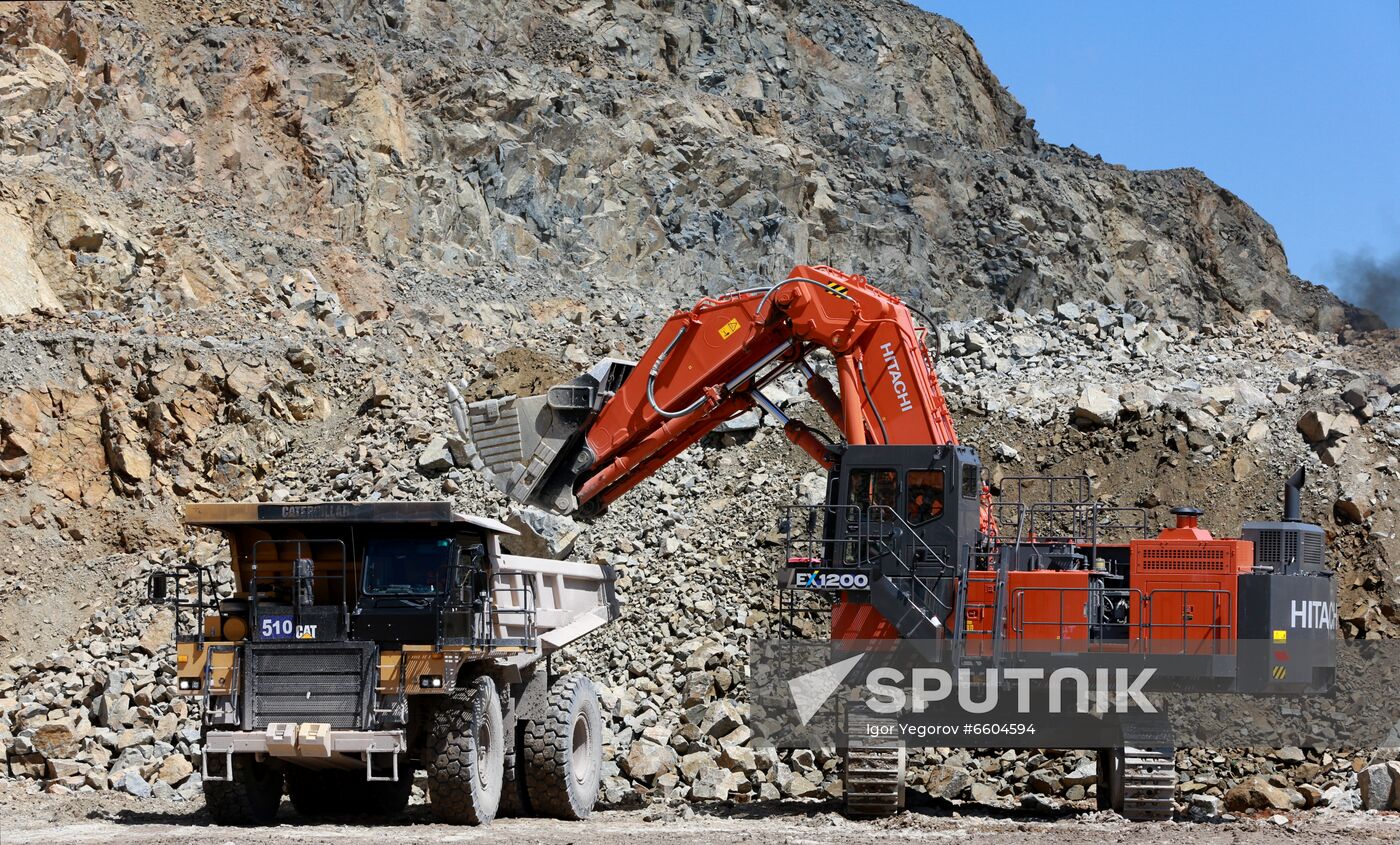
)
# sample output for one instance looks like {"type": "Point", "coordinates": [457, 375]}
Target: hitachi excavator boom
{"type": "Point", "coordinates": [584, 443]}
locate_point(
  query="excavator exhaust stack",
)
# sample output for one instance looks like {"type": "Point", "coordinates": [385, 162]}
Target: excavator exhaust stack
{"type": "Point", "coordinates": [532, 447]}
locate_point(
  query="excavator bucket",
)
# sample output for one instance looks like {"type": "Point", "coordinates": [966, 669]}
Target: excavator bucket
{"type": "Point", "coordinates": [533, 448]}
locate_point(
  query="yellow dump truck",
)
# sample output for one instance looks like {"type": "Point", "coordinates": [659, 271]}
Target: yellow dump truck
{"type": "Point", "coordinates": [363, 642]}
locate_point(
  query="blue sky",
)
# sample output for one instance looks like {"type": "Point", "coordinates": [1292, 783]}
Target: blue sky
{"type": "Point", "coordinates": [1293, 106]}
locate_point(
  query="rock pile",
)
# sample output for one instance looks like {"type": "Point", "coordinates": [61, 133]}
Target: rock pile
{"type": "Point", "coordinates": [103, 713]}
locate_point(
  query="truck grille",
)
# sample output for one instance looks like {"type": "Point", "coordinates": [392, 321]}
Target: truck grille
{"type": "Point", "coordinates": [310, 683]}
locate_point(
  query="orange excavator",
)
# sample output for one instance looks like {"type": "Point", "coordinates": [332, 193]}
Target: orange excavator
{"type": "Point", "coordinates": [910, 543]}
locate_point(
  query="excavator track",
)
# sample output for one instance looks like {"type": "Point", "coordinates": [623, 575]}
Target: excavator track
{"type": "Point", "coordinates": [1137, 779]}
{"type": "Point", "coordinates": [1149, 784]}
{"type": "Point", "coordinates": [873, 771]}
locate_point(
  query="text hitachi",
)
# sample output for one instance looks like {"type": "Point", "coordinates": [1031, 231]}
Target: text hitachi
{"type": "Point", "coordinates": [901, 391]}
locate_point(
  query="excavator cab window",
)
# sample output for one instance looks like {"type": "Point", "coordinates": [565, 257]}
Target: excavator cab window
{"type": "Point", "coordinates": [925, 496]}
{"type": "Point", "coordinates": [969, 481]}
{"type": "Point", "coordinates": [874, 488]}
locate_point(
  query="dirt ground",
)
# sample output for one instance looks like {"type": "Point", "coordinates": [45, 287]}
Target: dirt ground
{"type": "Point", "coordinates": [55, 820]}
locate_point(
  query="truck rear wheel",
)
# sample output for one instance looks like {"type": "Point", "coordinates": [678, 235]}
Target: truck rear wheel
{"type": "Point", "coordinates": [564, 751]}
{"type": "Point", "coordinates": [466, 752]}
{"type": "Point", "coordinates": [250, 798]}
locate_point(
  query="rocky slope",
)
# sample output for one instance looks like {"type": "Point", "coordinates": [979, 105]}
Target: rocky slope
{"type": "Point", "coordinates": [242, 248]}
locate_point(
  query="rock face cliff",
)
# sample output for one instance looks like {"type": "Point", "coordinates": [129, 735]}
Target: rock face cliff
{"type": "Point", "coordinates": [170, 155]}
{"type": "Point", "coordinates": [243, 246]}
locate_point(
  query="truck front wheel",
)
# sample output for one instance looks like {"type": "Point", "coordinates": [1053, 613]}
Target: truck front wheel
{"type": "Point", "coordinates": [466, 750]}
{"type": "Point", "coordinates": [251, 797]}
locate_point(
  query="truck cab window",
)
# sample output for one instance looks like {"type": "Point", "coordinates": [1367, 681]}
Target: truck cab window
{"type": "Point", "coordinates": [405, 567]}
{"type": "Point", "coordinates": [925, 494]}
{"type": "Point", "coordinates": [874, 488]}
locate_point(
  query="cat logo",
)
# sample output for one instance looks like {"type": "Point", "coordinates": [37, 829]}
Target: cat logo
{"type": "Point", "coordinates": [729, 328]}
{"type": "Point", "coordinates": [1280, 672]}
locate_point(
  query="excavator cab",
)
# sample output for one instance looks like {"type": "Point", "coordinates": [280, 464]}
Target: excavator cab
{"type": "Point", "coordinates": [898, 523]}
{"type": "Point", "coordinates": [904, 508]}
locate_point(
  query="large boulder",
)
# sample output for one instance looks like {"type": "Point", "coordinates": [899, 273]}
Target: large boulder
{"type": "Point", "coordinates": [1315, 426]}
{"type": "Point", "coordinates": [56, 740]}
{"type": "Point", "coordinates": [542, 534]}
{"type": "Point", "coordinates": [646, 760]}
{"type": "Point", "coordinates": [1094, 407]}
{"type": "Point", "coordinates": [1380, 786]}
{"type": "Point", "coordinates": [947, 782]}
{"type": "Point", "coordinates": [41, 83]}
{"type": "Point", "coordinates": [1257, 793]}
{"type": "Point", "coordinates": [23, 286]}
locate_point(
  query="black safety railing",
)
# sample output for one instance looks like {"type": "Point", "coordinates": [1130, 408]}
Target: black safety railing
{"type": "Point", "coordinates": [477, 602]}
{"type": "Point", "coordinates": [1058, 509]}
{"type": "Point", "coordinates": [873, 539]}
{"type": "Point", "coordinates": [169, 587]}
{"type": "Point", "coordinates": [1089, 618]}
{"type": "Point", "coordinates": [924, 591]}
{"type": "Point", "coordinates": [1021, 492]}
{"type": "Point", "coordinates": [1080, 528]}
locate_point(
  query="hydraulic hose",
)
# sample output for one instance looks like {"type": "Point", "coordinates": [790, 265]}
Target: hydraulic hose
{"type": "Point", "coordinates": [758, 312]}
{"type": "Point", "coordinates": [870, 400]}
{"type": "Point", "coordinates": [651, 382]}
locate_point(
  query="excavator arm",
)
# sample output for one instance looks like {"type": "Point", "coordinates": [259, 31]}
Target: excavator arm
{"type": "Point", "coordinates": [584, 443]}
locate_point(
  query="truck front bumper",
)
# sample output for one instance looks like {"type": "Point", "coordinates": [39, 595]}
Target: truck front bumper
{"type": "Point", "coordinates": [308, 743]}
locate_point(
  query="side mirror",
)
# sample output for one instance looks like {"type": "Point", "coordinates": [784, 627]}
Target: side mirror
{"type": "Point", "coordinates": [784, 526]}
{"type": "Point", "coordinates": [158, 587]}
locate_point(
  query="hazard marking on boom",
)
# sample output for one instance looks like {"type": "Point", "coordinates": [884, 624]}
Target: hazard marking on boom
{"type": "Point", "coordinates": [729, 328]}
